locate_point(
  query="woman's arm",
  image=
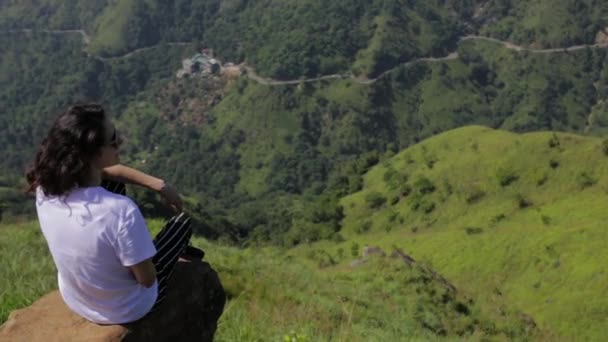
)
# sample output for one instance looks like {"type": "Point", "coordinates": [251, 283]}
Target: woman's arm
{"type": "Point", "coordinates": [128, 175]}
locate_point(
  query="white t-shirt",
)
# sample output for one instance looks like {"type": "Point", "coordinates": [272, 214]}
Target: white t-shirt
{"type": "Point", "coordinates": [93, 235]}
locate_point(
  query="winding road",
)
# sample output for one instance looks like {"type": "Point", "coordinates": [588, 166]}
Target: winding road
{"type": "Point", "coordinates": [453, 55]}
{"type": "Point", "coordinates": [86, 39]}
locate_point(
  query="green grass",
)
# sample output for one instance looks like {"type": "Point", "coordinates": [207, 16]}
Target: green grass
{"type": "Point", "coordinates": [26, 268]}
{"type": "Point", "coordinates": [306, 292]}
{"type": "Point", "coordinates": [545, 259]}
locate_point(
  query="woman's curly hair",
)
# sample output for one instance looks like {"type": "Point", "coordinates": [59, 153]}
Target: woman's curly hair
{"type": "Point", "coordinates": [63, 158]}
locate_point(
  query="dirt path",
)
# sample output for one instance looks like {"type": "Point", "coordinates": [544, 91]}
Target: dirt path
{"type": "Point", "coordinates": [86, 39]}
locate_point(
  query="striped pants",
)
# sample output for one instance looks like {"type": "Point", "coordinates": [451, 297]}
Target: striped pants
{"type": "Point", "coordinates": [170, 242]}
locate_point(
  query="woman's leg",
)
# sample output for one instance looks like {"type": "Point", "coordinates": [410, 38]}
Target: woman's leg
{"type": "Point", "coordinates": [170, 243]}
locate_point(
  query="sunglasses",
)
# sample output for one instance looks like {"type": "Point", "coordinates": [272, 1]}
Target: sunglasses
{"type": "Point", "coordinates": [115, 141]}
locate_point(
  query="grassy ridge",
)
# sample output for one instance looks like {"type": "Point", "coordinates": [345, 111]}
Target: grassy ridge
{"type": "Point", "coordinates": [273, 293]}
{"type": "Point", "coordinates": [515, 219]}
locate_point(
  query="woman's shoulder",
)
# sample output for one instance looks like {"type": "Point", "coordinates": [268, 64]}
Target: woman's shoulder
{"type": "Point", "coordinates": [115, 200]}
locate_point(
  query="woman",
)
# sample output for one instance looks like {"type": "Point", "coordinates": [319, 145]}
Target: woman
{"type": "Point", "coordinates": [109, 270]}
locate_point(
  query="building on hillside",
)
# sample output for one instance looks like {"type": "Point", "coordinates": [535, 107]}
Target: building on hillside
{"type": "Point", "coordinates": [200, 64]}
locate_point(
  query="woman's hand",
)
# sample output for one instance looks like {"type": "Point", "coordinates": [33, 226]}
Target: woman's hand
{"type": "Point", "coordinates": [170, 196]}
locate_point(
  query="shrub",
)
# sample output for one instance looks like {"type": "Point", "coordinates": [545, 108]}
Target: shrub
{"type": "Point", "coordinates": [545, 219]}
{"type": "Point", "coordinates": [394, 179]}
{"type": "Point", "coordinates": [523, 202]}
{"type": "Point", "coordinates": [506, 176]}
{"type": "Point", "coordinates": [474, 195]}
{"type": "Point", "coordinates": [605, 146]}
{"type": "Point", "coordinates": [365, 226]}
{"type": "Point", "coordinates": [585, 180]}
{"type": "Point", "coordinates": [395, 200]}
{"type": "Point", "coordinates": [337, 238]}
{"type": "Point", "coordinates": [473, 230]}
{"type": "Point", "coordinates": [374, 200]}
{"type": "Point", "coordinates": [294, 337]}
{"type": "Point", "coordinates": [424, 186]}
{"type": "Point", "coordinates": [355, 183]}
{"type": "Point", "coordinates": [405, 190]}
{"type": "Point", "coordinates": [428, 207]}
{"type": "Point", "coordinates": [554, 141]}
{"type": "Point", "coordinates": [393, 217]}
{"type": "Point", "coordinates": [542, 180]}
{"type": "Point", "coordinates": [340, 253]}
{"type": "Point", "coordinates": [449, 189]}
{"type": "Point", "coordinates": [325, 259]}
{"type": "Point", "coordinates": [389, 175]}
{"type": "Point", "coordinates": [430, 161]}
{"type": "Point", "coordinates": [498, 218]}
{"type": "Point", "coordinates": [415, 202]}
{"type": "Point", "coordinates": [554, 164]}
{"type": "Point", "coordinates": [354, 249]}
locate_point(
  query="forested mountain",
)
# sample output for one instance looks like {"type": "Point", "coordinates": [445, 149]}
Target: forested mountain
{"type": "Point", "coordinates": [269, 162]}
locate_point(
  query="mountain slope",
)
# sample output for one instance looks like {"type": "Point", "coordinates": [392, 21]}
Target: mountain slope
{"type": "Point", "coordinates": [512, 218]}
{"type": "Point", "coordinates": [273, 294]}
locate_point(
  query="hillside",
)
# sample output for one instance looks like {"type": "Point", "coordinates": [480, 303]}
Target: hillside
{"type": "Point", "coordinates": [290, 39]}
{"type": "Point", "coordinates": [514, 218]}
{"type": "Point", "coordinates": [273, 294]}
{"type": "Point", "coordinates": [236, 146]}
{"type": "Point", "coordinates": [512, 222]}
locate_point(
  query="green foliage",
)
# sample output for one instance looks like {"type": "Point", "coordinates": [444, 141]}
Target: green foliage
{"type": "Point", "coordinates": [364, 227]}
{"type": "Point", "coordinates": [498, 218]}
{"type": "Point", "coordinates": [554, 141]}
{"type": "Point", "coordinates": [554, 164]}
{"type": "Point", "coordinates": [506, 176]}
{"type": "Point", "coordinates": [354, 249]}
{"type": "Point", "coordinates": [375, 200]}
{"type": "Point", "coordinates": [542, 179]}
{"type": "Point", "coordinates": [395, 200]}
{"type": "Point", "coordinates": [255, 143]}
{"type": "Point", "coordinates": [294, 337]}
{"type": "Point", "coordinates": [545, 23]}
{"type": "Point", "coordinates": [424, 186]}
{"type": "Point", "coordinates": [523, 201]}
{"type": "Point", "coordinates": [605, 147]}
{"type": "Point", "coordinates": [585, 180]}
{"type": "Point", "coordinates": [474, 194]}
{"type": "Point", "coordinates": [473, 230]}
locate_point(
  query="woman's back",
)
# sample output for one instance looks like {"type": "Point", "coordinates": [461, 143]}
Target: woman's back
{"type": "Point", "coordinates": [94, 236]}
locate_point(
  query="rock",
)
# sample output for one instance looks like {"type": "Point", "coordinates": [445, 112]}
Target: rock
{"type": "Point", "coordinates": [369, 250]}
{"type": "Point", "coordinates": [398, 254]}
{"type": "Point", "coordinates": [189, 313]}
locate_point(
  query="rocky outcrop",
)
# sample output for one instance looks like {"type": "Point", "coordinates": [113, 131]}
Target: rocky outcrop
{"type": "Point", "coordinates": [189, 313]}
{"type": "Point", "coordinates": [398, 254]}
{"type": "Point", "coordinates": [371, 250]}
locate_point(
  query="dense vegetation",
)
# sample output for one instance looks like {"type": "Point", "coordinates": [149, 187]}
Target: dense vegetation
{"type": "Point", "coordinates": [305, 144]}
{"type": "Point", "coordinates": [290, 39]}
